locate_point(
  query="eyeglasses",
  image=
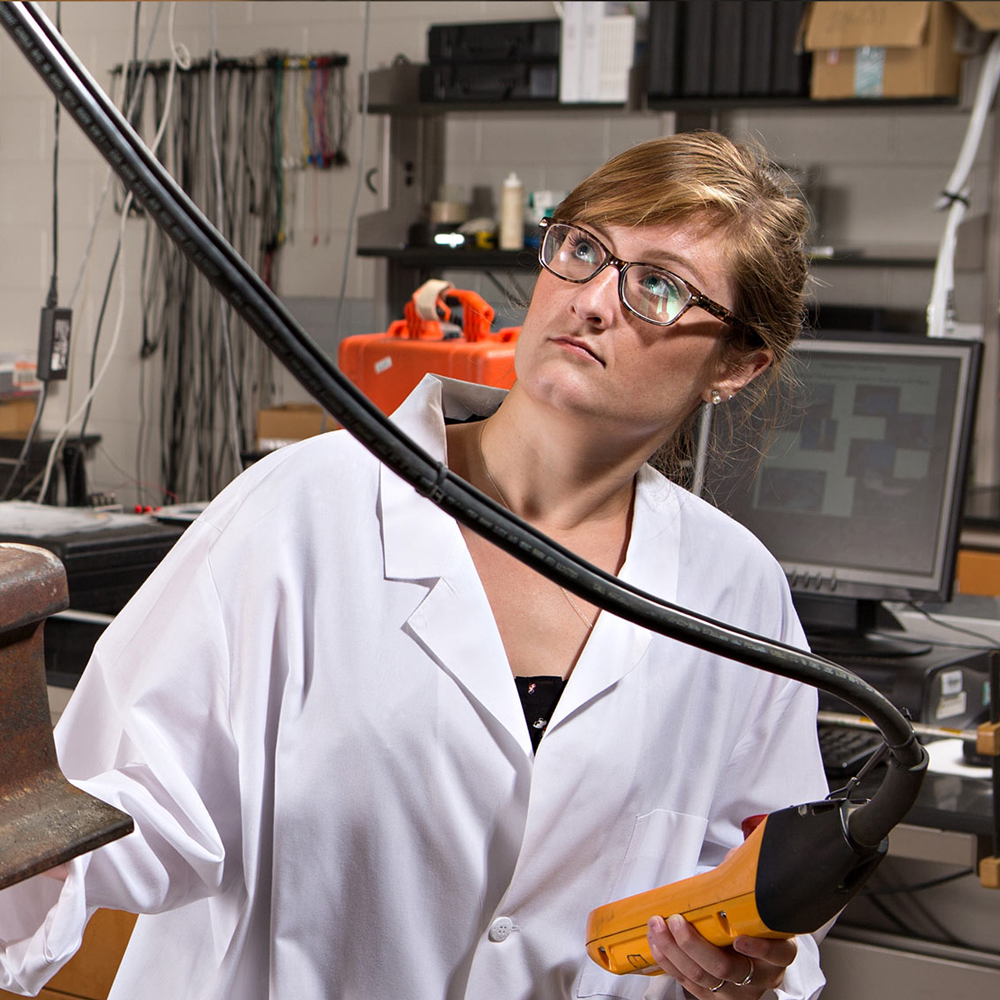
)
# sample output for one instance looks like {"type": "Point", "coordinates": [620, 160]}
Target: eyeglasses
{"type": "Point", "coordinates": [655, 295]}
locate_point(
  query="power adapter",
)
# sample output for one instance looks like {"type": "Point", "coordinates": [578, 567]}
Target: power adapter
{"type": "Point", "coordinates": [53, 344]}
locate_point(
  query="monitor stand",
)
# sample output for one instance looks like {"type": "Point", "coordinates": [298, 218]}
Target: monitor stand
{"type": "Point", "coordinates": [841, 628]}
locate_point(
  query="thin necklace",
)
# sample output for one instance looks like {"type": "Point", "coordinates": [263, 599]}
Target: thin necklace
{"type": "Point", "coordinates": [496, 486]}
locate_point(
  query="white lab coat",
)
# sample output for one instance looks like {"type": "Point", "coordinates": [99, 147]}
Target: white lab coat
{"type": "Point", "coordinates": [308, 712]}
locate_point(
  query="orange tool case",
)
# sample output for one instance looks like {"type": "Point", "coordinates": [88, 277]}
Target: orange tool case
{"type": "Point", "coordinates": [386, 366]}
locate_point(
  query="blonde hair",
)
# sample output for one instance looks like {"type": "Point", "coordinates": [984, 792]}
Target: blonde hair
{"type": "Point", "coordinates": [734, 190]}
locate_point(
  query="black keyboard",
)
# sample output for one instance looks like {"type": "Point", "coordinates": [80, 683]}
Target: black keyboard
{"type": "Point", "coordinates": [845, 750]}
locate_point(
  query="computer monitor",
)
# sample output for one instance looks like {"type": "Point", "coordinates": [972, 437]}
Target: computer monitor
{"type": "Point", "coordinates": [859, 493]}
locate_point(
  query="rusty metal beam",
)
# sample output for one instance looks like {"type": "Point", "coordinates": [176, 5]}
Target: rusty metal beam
{"type": "Point", "coordinates": [44, 820]}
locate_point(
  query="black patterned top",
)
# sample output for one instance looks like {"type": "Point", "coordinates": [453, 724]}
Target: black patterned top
{"type": "Point", "coordinates": [539, 697]}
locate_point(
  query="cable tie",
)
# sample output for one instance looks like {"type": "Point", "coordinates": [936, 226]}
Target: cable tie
{"type": "Point", "coordinates": [434, 489]}
{"type": "Point", "coordinates": [952, 197]}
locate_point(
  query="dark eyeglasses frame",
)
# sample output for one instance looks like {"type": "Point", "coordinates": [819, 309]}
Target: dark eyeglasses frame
{"type": "Point", "coordinates": [695, 296]}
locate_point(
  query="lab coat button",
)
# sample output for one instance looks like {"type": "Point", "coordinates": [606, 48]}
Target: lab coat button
{"type": "Point", "coordinates": [500, 929]}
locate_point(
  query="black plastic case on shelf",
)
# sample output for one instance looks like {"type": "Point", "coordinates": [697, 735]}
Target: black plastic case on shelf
{"type": "Point", "coordinates": [493, 41]}
{"type": "Point", "coordinates": [489, 82]}
{"type": "Point", "coordinates": [492, 61]}
{"type": "Point", "coordinates": [726, 48]}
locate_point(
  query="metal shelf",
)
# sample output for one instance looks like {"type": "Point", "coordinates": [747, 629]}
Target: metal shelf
{"type": "Point", "coordinates": [432, 257]}
{"type": "Point", "coordinates": [429, 257]}
{"type": "Point", "coordinates": [684, 104]}
{"type": "Point", "coordinates": [447, 107]}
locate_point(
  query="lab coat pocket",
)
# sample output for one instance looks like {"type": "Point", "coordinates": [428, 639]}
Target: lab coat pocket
{"type": "Point", "coordinates": [663, 848]}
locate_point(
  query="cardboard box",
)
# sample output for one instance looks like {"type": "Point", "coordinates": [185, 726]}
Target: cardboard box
{"type": "Point", "coordinates": [18, 375]}
{"type": "Point", "coordinates": [983, 14]}
{"type": "Point", "coordinates": [879, 50]}
{"type": "Point", "coordinates": [281, 425]}
{"type": "Point", "coordinates": [16, 415]}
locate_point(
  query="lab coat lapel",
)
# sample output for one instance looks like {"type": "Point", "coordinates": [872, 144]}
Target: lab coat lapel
{"type": "Point", "coordinates": [617, 646]}
{"type": "Point", "coordinates": [473, 653]}
{"type": "Point", "coordinates": [421, 543]}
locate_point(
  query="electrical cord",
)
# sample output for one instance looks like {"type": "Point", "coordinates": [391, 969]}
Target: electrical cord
{"type": "Point", "coordinates": [365, 76]}
{"type": "Point", "coordinates": [52, 299]}
{"type": "Point", "coordinates": [919, 886]}
{"type": "Point", "coordinates": [111, 174]}
{"type": "Point", "coordinates": [112, 267]}
{"type": "Point", "coordinates": [85, 405]}
{"type": "Point", "coordinates": [919, 912]}
{"type": "Point", "coordinates": [96, 379]}
{"type": "Point", "coordinates": [990, 641]}
{"type": "Point", "coordinates": [182, 325]}
{"type": "Point", "coordinates": [220, 221]}
{"type": "Point", "coordinates": [955, 199]}
{"type": "Point", "coordinates": [908, 929]}
{"type": "Point", "coordinates": [56, 445]}
{"type": "Point", "coordinates": [161, 490]}
{"type": "Point", "coordinates": [867, 824]}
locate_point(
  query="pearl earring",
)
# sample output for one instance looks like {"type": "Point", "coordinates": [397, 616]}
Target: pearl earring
{"type": "Point", "coordinates": [716, 397]}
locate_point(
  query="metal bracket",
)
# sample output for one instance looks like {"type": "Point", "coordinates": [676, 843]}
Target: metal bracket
{"type": "Point", "coordinates": [988, 744]}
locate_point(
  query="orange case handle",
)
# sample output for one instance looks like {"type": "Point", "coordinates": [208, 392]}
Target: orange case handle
{"type": "Point", "coordinates": [477, 317]}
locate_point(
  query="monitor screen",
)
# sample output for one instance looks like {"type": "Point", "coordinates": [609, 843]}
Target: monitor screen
{"type": "Point", "coordinates": [860, 490]}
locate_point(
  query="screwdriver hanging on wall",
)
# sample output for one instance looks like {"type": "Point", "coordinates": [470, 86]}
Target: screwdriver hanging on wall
{"type": "Point", "coordinates": [53, 344]}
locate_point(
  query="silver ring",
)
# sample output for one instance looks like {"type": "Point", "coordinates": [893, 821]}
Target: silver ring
{"type": "Point", "coordinates": [715, 989]}
{"type": "Point", "coordinates": [746, 979]}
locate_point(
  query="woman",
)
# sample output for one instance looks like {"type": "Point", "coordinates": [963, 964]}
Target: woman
{"type": "Point", "coordinates": [325, 710]}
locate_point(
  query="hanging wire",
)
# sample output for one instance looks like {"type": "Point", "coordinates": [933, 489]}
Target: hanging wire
{"type": "Point", "coordinates": [96, 377]}
{"type": "Point", "coordinates": [232, 415]}
{"type": "Point", "coordinates": [52, 299]}
{"type": "Point", "coordinates": [236, 131]}
{"type": "Point", "coordinates": [360, 170]}
{"type": "Point", "coordinates": [955, 200]}
{"type": "Point", "coordinates": [56, 446]}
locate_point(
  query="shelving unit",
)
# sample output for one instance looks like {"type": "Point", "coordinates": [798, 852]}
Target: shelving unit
{"type": "Point", "coordinates": [413, 164]}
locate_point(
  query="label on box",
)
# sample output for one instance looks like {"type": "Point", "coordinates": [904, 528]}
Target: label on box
{"type": "Point", "coordinates": [951, 682]}
{"type": "Point", "coordinates": [869, 70]}
{"type": "Point", "coordinates": [949, 707]}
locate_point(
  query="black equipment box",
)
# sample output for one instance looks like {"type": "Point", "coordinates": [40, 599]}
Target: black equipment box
{"type": "Point", "coordinates": [107, 556]}
{"type": "Point", "coordinates": [489, 82]}
{"type": "Point", "coordinates": [940, 687]}
{"type": "Point", "coordinates": [726, 48]}
{"type": "Point", "coordinates": [502, 41]}
{"type": "Point", "coordinates": [492, 61]}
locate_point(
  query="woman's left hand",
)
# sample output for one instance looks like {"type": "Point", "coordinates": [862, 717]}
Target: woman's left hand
{"type": "Point", "coordinates": [744, 972]}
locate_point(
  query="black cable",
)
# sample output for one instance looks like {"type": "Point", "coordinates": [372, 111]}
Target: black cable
{"type": "Point", "coordinates": [919, 886]}
{"type": "Point", "coordinates": [897, 921]}
{"type": "Point", "coordinates": [944, 934]}
{"type": "Point", "coordinates": [53, 297]}
{"type": "Point", "coordinates": [990, 641]}
{"type": "Point", "coordinates": [35, 480]}
{"type": "Point", "coordinates": [920, 911]}
{"type": "Point", "coordinates": [231, 275]}
{"type": "Point", "coordinates": [97, 340]}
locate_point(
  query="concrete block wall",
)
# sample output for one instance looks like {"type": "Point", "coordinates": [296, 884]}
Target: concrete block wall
{"type": "Point", "coordinates": [879, 171]}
